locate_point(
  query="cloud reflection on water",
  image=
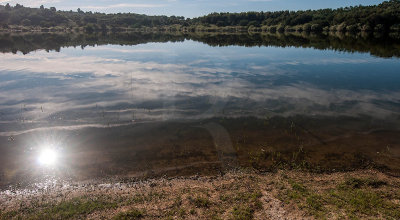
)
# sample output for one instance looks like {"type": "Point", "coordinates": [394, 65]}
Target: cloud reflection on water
{"type": "Point", "coordinates": [69, 89]}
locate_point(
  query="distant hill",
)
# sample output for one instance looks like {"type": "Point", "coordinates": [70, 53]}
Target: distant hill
{"type": "Point", "coordinates": [384, 17]}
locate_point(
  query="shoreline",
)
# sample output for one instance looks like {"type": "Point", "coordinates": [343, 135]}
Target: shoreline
{"type": "Point", "coordinates": [241, 194]}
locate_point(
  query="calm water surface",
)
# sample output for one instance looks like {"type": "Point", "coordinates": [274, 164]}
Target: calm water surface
{"type": "Point", "coordinates": [179, 108]}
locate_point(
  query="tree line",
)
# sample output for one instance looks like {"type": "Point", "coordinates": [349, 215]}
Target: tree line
{"type": "Point", "coordinates": [51, 17]}
{"type": "Point", "coordinates": [384, 17]}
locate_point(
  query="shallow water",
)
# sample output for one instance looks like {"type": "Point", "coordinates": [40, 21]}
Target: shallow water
{"type": "Point", "coordinates": [178, 105]}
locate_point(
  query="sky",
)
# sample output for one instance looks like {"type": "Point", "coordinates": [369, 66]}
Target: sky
{"type": "Point", "coordinates": [188, 8]}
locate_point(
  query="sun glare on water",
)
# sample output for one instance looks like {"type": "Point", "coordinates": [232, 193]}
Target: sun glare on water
{"type": "Point", "coordinates": [48, 157]}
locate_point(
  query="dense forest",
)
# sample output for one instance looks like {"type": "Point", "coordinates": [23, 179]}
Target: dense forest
{"type": "Point", "coordinates": [384, 17]}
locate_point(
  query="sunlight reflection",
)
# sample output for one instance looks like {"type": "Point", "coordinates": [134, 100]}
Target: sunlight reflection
{"type": "Point", "coordinates": [48, 157]}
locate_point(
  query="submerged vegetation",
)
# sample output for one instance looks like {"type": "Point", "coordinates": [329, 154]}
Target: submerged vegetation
{"type": "Point", "coordinates": [384, 17]}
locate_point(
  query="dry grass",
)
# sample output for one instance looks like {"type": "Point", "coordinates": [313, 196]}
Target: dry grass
{"type": "Point", "coordinates": [236, 195]}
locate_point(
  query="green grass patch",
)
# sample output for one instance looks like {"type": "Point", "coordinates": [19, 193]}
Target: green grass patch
{"type": "Point", "coordinates": [355, 183]}
{"type": "Point", "coordinates": [355, 197]}
{"type": "Point", "coordinates": [200, 202]}
{"type": "Point", "coordinates": [359, 197]}
{"type": "Point", "coordinates": [242, 212]}
{"type": "Point", "coordinates": [131, 214]}
{"type": "Point", "coordinates": [8, 215]}
{"type": "Point", "coordinates": [147, 197]}
{"type": "Point", "coordinates": [73, 208]}
{"type": "Point", "coordinates": [305, 198]}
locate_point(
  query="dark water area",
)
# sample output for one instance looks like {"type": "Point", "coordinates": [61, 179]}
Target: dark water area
{"type": "Point", "coordinates": [82, 107]}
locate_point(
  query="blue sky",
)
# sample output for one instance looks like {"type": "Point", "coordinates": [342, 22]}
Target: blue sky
{"type": "Point", "coordinates": [189, 8]}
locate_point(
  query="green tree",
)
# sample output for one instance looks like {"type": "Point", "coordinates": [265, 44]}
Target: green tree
{"type": "Point", "coordinates": [8, 7]}
{"type": "Point", "coordinates": [26, 22]}
{"type": "Point", "coordinates": [18, 6]}
{"type": "Point", "coordinates": [243, 22]}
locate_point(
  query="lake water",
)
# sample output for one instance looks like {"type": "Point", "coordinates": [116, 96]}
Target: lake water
{"type": "Point", "coordinates": [122, 106]}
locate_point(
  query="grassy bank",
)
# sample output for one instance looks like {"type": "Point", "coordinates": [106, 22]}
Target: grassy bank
{"type": "Point", "coordinates": [235, 195]}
